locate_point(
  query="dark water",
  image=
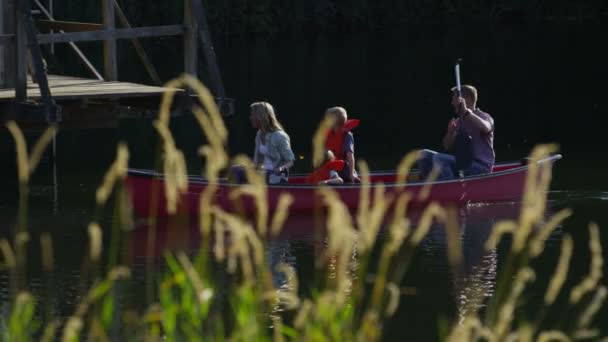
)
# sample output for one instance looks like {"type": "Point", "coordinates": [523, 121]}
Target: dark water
{"type": "Point", "coordinates": [541, 84]}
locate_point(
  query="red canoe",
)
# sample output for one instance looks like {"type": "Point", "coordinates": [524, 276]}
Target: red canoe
{"type": "Point", "coordinates": [505, 183]}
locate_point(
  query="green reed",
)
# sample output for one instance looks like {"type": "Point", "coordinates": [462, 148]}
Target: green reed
{"type": "Point", "coordinates": [229, 293]}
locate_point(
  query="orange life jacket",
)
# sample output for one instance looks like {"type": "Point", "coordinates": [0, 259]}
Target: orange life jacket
{"type": "Point", "coordinates": [335, 140]}
{"type": "Point", "coordinates": [322, 173]}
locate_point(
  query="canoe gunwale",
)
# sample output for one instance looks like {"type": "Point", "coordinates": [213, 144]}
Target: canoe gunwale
{"type": "Point", "coordinates": [199, 180]}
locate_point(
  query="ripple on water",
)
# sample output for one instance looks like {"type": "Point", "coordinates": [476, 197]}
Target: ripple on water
{"type": "Point", "coordinates": [577, 195]}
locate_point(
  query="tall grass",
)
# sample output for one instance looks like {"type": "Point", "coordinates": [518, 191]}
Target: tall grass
{"type": "Point", "coordinates": [230, 293]}
{"type": "Point", "coordinates": [272, 17]}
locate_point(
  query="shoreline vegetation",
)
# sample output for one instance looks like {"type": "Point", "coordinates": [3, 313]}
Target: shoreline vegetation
{"type": "Point", "coordinates": [230, 293]}
{"type": "Point", "coordinates": [317, 17]}
{"type": "Point", "coordinates": [272, 17]}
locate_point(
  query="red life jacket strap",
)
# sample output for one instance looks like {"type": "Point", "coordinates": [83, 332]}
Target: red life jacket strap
{"type": "Point", "coordinates": [322, 173]}
{"type": "Point", "coordinates": [351, 124]}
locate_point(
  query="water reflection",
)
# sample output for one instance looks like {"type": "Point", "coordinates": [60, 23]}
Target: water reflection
{"type": "Point", "coordinates": [473, 288]}
{"type": "Point", "coordinates": [299, 246]}
{"type": "Point", "coordinates": [299, 241]}
{"type": "Point", "coordinates": [477, 282]}
{"type": "Point", "coordinates": [280, 252]}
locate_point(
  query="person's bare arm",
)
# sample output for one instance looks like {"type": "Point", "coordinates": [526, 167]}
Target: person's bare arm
{"type": "Point", "coordinates": [350, 158]}
{"type": "Point", "coordinates": [287, 165]}
{"type": "Point", "coordinates": [485, 126]}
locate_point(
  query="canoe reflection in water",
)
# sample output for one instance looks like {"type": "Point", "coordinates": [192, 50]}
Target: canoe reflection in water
{"type": "Point", "coordinates": [301, 244]}
{"type": "Point", "coordinates": [475, 282]}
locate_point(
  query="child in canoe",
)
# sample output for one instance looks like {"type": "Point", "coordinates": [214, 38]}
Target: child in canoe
{"type": "Point", "coordinates": [328, 173]}
{"type": "Point", "coordinates": [341, 142]}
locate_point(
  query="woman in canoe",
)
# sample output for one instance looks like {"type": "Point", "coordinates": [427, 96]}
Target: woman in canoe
{"type": "Point", "coordinates": [273, 154]}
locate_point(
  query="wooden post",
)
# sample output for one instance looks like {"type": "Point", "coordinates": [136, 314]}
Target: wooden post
{"type": "Point", "coordinates": [122, 18]}
{"type": "Point", "coordinates": [6, 27]}
{"type": "Point", "coordinates": [109, 45]}
{"type": "Point", "coordinates": [51, 12]}
{"type": "Point", "coordinates": [205, 38]}
{"type": "Point", "coordinates": [20, 54]}
{"type": "Point", "coordinates": [225, 104]}
{"type": "Point", "coordinates": [37, 61]}
{"type": "Point", "coordinates": [3, 68]}
{"type": "Point", "coordinates": [190, 41]}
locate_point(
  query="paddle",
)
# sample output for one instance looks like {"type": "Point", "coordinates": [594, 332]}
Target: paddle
{"type": "Point", "coordinates": [458, 85]}
{"type": "Point", "coordinates": [463, 149]}
{"type": "Point", "coordinates": [457, 72]}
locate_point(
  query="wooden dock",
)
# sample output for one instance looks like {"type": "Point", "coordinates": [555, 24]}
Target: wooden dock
{"type": "Point", "coordinates": [84, 102]}
{"type": "Point", "coordinates": [75, 88]}
{"type": "Point", "coordinates": [63, 99]}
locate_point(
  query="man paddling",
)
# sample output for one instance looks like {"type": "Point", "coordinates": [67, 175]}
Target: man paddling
{"type": "Point", "coordinates": [469, 140]}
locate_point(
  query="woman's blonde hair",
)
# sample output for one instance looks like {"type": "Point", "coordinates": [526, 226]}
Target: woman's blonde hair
{"type": "Point", "coordinates": [263, 112]}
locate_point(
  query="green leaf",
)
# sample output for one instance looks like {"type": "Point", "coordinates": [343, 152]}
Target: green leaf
{"type": "Point", "coordinates": [289, 331]}
{"type": "Point", "coordinates": [107, 311]}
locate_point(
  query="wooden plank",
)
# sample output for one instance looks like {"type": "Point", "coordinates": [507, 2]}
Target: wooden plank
{"type": "Point", "coordinates": [90, 93]}
{"type": "Point", "coordinates": [72, 88]}
{"type": "Point", "coordinates": [68, 26]}
{"type": "Point", "coordinates": [20, 56]}
{"type": "Point", "coordinates": [122, 18]}
{"type": "Point", "coordinates": [137, 32]}
{"type": "Point", "coordinates": [109, 44]}
{"type": "Point", "coordinates": [190, 43]}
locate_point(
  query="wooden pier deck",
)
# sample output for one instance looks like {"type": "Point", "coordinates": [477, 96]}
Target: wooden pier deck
{"type": "Point", "coordinates": [74, 88]}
